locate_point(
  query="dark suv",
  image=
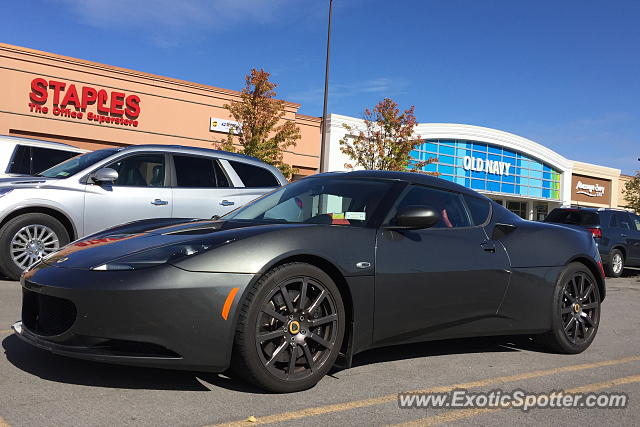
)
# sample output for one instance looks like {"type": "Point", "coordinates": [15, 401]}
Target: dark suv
{"type": "Point", "coordinates": [616, 232]}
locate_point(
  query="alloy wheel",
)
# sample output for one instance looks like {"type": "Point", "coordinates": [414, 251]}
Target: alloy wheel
{"type": "Point", "coordinates": [297, 328]}
{"type": "Point", "coordinates": [580, 308]}
{"type": "Point", "coordinates": [32, 243]}
{"type": "Point", "coordinates": [617, 263]}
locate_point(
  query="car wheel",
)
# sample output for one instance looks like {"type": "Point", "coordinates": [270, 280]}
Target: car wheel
{"type": "Point", "coordinates": [576, 311]}
{"type": "Point", "coordinates": [26, 239]}
{"type": "Point", "coordinates": [616, 264]}
{"type": "Point", "coordinates": [290, 329]}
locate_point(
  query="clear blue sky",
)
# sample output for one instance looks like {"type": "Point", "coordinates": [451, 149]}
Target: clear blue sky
{"type": "Point", "coordinates": [563, 73]}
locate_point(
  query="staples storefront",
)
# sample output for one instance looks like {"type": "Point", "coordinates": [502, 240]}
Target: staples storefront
{"type": "Point", "coordinates": [524, 176]}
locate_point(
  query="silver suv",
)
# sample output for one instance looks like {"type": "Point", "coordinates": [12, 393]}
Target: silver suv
{"type": "Point", "coordinates": [97, 190]}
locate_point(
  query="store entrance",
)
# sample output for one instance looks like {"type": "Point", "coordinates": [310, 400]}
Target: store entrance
{"type": "Point", "coordinates": [533, 210]}
{"type": "Point", "coordinates": [518, 208]}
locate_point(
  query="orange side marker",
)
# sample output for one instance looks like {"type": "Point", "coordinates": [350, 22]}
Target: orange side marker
{"type": "Point", "coordinates": [227, 304]}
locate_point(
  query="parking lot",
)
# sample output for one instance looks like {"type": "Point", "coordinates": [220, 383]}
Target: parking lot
{"type": "Point", "coordinates": [37, 388]}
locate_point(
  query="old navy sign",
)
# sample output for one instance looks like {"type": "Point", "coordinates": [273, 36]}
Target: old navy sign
{"type": "Point", "coordinates": [489, 166]}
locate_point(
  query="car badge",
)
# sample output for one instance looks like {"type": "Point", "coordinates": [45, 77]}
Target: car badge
{"type": "Point", "coordinates": [294, 327]}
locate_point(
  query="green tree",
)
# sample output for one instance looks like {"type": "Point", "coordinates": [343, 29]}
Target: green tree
{"type": "Point", "coordinates": [632, 192]}
{"type": "Point", "coordinates": [259, 114]}
{"type": "Point", "coordinates": [386, 141]}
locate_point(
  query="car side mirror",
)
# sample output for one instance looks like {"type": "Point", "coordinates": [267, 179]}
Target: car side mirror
{"type": "Point", "coordinates": [415, 218]}
{"type": "Point", "coordinates": [104, 175]}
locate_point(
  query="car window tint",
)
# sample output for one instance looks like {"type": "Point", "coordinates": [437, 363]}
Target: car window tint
{"type": "Point", "coordinates": [478, 208]}
{"type": "Point", "coordinates": [194, 171]}
{"type": "Point", "coordinates": [221, 178]}
{"type": "Point", "coordinates": [146, 170]}
{"type": "Point", "coordinates": [620, 220]}
{"type": "Point", "coordinates": [573, 216]}
{"type": "Point", "coordinates": [21, 160]}
{"type": "Point", "coordinates": [254, 176]}
{"type": "Point", "coordinates": [44, 158]}
{"type": "Point", "coordinates": [448, 204]}
{"type": "Point", "coordinates": [636, 221]}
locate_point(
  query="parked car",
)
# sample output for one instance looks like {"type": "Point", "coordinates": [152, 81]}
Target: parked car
{"type": "Point", "coordinates": [327, 266]}
{"type": "Point", "coordinates": [616, 232]}
{"type": "Point", "coordinates": [97, 190]}
{"type": "Point", "coordinates": [22, 156]}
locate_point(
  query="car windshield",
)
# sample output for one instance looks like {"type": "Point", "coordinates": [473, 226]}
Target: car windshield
{"type": "Point", "coordinates": [77, 164]}
{"type": "Point", "coordinates": [324, 200]}
{"type": "Point", "coordinates": [573, 217]}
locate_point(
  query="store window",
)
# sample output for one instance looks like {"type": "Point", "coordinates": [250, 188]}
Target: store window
{"type": "Point", "coordinates": [541, 212]}
{"type": "Point", "coordinates": [518, 208]}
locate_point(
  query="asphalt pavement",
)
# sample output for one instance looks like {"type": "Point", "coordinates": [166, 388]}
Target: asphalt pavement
{"type": "Point", "coordinates": [41, 389]}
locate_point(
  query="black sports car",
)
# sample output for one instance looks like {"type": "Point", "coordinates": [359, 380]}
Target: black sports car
{"type": "Point", "coordinates": [323, 268]}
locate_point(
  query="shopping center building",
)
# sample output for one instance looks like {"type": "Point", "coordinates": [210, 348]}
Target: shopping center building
{"type": "Point", "coordinates": [522, 175]}
{"type": "Point", "coordinates": [92, 105]}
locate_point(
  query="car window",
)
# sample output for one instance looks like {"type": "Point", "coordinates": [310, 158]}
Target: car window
{"type": "Point", "coordinates": [77, 163]}
{"type": "Point", "coordinates": [200, 172]}
{"type": "Point", "coordinates": [448, 204]}
{"type": "Point", "coordinates": [636, 221]}
{"type": "Point", "coordinates": [21, 160]}
{"type": "Point", "coordinates": [329, 201]}
{"type": "Point", "coordinates": [44, 158]}
{"type": "Point", "coordinates": [145, 170]}
{"type": "Point", "coordinates": [573, 217]}
{"type": "Point", "coordinates": [478, 208]}
{"type": "Point", "coordinates": [254, 176]}
{"type": "Point", "coordinates": [620, 220]}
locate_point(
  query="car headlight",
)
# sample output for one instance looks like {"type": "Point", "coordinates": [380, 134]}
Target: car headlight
{"type": "Point", "coordinates": [153, 257]}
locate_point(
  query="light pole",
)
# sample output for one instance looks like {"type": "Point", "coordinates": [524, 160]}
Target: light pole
{"type": "Point", "coordinates": [323, 140]}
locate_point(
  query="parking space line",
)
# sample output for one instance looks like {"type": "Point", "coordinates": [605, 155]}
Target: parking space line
{"type": "Point", "coordinates": [461, 414]}
{"type": "Point", "coordinates": [346, 406]}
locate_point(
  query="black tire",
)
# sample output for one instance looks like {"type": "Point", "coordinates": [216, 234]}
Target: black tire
{"type": "Point", "coordinates": [576, 296]}
{"type": "Point", "coordinates": [8, 266]}
{"type": "Point", "coordinates": [311, 360]}
{"type": "Point", "coordinates": [615, 268]}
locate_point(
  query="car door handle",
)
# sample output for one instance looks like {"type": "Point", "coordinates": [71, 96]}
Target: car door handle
{"type": "Point", "coordinates": [227, 203]}
{"type": "Point", "coordinates": [158, 202]}
{"type": "Point", "coordinates": [489, 247]}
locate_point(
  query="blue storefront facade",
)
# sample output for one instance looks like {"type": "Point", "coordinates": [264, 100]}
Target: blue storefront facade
{"type": "Point", "coordinates": [522, 175]}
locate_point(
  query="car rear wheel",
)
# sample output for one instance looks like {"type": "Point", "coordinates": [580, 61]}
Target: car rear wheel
{"type": "Point", "coordinates": [616, 263]}
{"type": "Point", "coordinates": [26, 239]}
{"type": "Point", "coordinates": [290, 329]}
{"type": "Point", "coordinates": [576, 311]}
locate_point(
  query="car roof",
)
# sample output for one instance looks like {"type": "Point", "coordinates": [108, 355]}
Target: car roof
{"type": "Point", "coordinates": [40, 143]}
{"type": "Point", "coordinates": [192, 150]}
{"type": "Point", "coordinates": [410, 177]}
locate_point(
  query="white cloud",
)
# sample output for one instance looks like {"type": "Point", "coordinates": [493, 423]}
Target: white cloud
{"type": "Point", "coordinates": [164, 21]}
{"type": "Point", "coordinates": [383, 86]}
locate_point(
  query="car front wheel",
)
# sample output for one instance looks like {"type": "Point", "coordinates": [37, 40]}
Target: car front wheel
{"type": "Point", "coordinates": [290, 329]}
{"type": "Point", "coordinates": [575, 314]}
{"type": "Point", "coordinates": [26, 239]}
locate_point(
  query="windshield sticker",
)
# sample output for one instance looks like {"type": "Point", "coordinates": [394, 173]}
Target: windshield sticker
{"type": "Point", "coordinates": [356, 215]}
{"type": "Point", "coordinates": [337, 215]}
{"type": "Point", "coordinates": [63, 174]}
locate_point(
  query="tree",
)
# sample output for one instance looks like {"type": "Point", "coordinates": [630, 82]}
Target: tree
{"type": "Point", "coordinates": [386, 141]}
{"type": "Point", "coordinates": [632, 192]}
{"type": "Point", "coordinates": [259, 113]}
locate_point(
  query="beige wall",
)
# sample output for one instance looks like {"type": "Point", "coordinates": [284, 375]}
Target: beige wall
{"type": "Point", "coordinates": [609, 177]}
{"type": "Point", "coordinates": [172, 111]}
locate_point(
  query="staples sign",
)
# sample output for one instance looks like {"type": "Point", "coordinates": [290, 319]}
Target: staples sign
{"type": "Point", "coordinates": [72, 101]}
